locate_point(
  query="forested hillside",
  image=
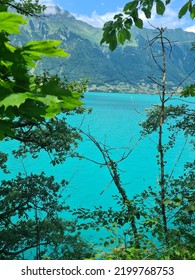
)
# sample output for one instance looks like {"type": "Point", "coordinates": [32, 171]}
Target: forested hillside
{"type": "Point", "coordinates": [106, 70]}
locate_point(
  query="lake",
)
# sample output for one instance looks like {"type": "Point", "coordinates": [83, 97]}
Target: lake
{"type": "Point", "coordinates": [114, 120]}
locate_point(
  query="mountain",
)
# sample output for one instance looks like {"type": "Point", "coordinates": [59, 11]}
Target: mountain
{"type": "Point", "coordinates": [126, 69]}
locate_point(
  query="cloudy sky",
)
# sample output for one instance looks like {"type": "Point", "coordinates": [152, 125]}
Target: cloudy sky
{"type": "Point", "coordinates": [96, 12]}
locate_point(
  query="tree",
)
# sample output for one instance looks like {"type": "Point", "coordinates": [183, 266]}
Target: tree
{"type": "Point", "coordinates": [24, 7]}
{"type": "Point", "coordinates": [127, 205]}
{"type": "Point", "coordinates": [175, 234]}
{"type": "Point", "coordinates": [30, 207]}
{"type": "Point", "coordinates": [29, 105]}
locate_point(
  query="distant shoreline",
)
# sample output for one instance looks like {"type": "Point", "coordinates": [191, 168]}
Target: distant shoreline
{"type": "Point", "coordinates": [121, 92]}
{"type": "Point", "coordinates": [131, 92]}
{"type": "Point", "coordinates": [130, 89]}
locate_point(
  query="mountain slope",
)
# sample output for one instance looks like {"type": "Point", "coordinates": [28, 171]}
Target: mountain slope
{"type": "Point", "coordinates": [126, 69]}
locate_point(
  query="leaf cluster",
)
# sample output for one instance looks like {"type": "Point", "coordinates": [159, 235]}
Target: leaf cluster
{"type": "Point", "coordinates": [24, 7]}
{"type": "Point", "coordinates": [54, 136]}
{"type": "Point", "coordinates": [187, 7]}
{"type": "Point", "coordinates": [118, 30]}
{"type": "Point", "coordinates": [182, 115]}
{"type": "Point", "coordinates": [25, 95]}
{"type": "Point", "coordinates": [30, 207]}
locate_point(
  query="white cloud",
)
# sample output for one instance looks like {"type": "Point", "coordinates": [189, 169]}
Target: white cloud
{"type": "Point", "coordinates": [190, 29]}
{"type": "Point", "coordinates": [47, 2]}
{"type": "Point", "coordinates": [96, 19]}
{"type": "Point", "coordinates": [52, 8]}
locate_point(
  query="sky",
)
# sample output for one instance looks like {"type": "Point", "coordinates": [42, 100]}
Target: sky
{"type": "Point", "coordinates": [97, 12]}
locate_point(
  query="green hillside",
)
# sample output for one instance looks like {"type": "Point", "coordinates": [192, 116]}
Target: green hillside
{"type": "Point", "coordinates": [127, 69]}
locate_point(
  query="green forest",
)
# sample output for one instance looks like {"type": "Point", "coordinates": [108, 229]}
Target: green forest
{"type": "Point", "coordinates": [156, 224]}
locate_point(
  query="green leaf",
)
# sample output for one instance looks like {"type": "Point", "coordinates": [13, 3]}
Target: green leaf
{"type": "Point", "coordinates": [10, 22]}
{"type": "Point", "coordinates": [10, 47]}
{"type": "Point", "coordinates": [118, 16]}
{"type": "Point", "coordinates": [189, 91]}
{"type": "Point", "coordinates": [123, 35]}
{"type": "Point", "coordinates": [193, 46]}
{"type": "Point", "coordinates": [192, 12]}
{"type": "Point", "coordinates": [127, 34]}
{"type": "Point", "coordinates": [138, 22]}
{"type": "Point", "coordinates": [160, 7]}
{"type": "Point", "coordinates": [147, 12]}
{"type": "Point", "coordinates": [5, 126]}
{"type": "Point", "coordinates": [86, 227]}
{"type": "Point", "coordinates": [15, 99]}
{"type": "Point", "coordinates": [128, 23]}
{"type": "Point", "coordinates": [183, 10]}
{"type": "Point", "coordinates": [131, 6]}
{"type": "Point", "coordinates": [106, 244]}
{"type": "Point", "coordinates": [43, 48]}
{"type": "Point", "coordinates": [68, 99]}
{"type": "Point", "coordinates": [168, 201]}
{"type": "Point", "coordinates": [112, 41]}
{"type": "Point", "coordinates": [107, 31]}
{"type": "Point", "coordinates": [167, 2]}
{"type": "Point", "coordinates": [48, 100]}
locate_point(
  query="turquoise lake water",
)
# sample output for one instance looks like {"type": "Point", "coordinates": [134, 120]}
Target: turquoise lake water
{"type": "Point", "coordinates": [115, 121]}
